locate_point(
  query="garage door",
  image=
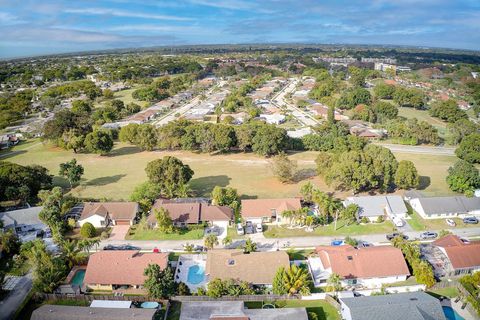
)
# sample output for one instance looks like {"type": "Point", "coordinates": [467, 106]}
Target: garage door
{"type": "Point", "coordinates": [122, 222]}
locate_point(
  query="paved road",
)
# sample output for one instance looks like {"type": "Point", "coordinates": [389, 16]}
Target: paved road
{"type": "Point", "coordinates": [14, 299]}
{"type": "Point", "coordinates": [266, 244]}
{"type": "Point", "coordinates": [439, 151]}
{"type": "Point", "coordinates": [280, 100]}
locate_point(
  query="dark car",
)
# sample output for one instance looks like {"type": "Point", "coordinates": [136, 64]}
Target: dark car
{"type": "Point", "coordinates": [470, 220]}
{"type": "Point", "coordinates": [395, 234]}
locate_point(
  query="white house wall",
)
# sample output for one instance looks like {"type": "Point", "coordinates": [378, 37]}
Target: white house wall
{"type": "Point", "coordinates": [95, 220]}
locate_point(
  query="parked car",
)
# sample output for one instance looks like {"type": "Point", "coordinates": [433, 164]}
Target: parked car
{"type": "Point", "coordinates": [396, 234]}
{"type": "Point", "coordinates": [398, 222]}
{"type": "Point", "coordinates": [364, 244]}
{"type": "Point", "coordinates": [240, 230]}
{"type": "Point", "coordinates": [248, 227]}
{"type": "Point", "coordinates": [259, 228]}
{"type": "Point", "coordinates": [470, 220]}
{"type": "Point", "coordinates": [337, 242]}
{"type": "Point", "coordinates": [450, 222]}
{"type": "Point", "coordinates": [428, 235]}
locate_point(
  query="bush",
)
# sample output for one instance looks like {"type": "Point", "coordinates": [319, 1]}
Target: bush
{"type": "Point", "coordinates": [364, 220]}
{"type": "Point", "coordinates": [380, 219]}
{"type": "Point", "coordinates": [88, 230]}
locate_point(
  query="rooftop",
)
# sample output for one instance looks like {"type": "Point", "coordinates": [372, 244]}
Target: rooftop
{"type": "Point", "coordinates": [257, 208]}
{"type": "Point", "coordinates": [57, 312]}
{"type": "Point", "coordinates": [116, 210]}
{"type": "Point", "coordinates": [371, 206]}
{"type": "Point", "coordinates": [461, 255]}
{"type": "Point", "coordinates": [456, 204]}
{"type": "Point", "coordinates": [27, 216]}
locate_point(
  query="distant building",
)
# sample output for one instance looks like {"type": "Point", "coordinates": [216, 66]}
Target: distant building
{"type": "Point", "coordinates": [23, 220]}
{"type": "Point", "coordinates": [399, 306]}
{"type": "Point", "coordinates": [379, 60]}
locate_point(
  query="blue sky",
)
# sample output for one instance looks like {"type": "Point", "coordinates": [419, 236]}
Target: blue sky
{"type": "Point", "coordinates": [33, 27]}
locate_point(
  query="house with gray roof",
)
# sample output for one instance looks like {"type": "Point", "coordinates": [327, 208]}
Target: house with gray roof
{"type": "Point", "coordinates": [399, 306]}
{"type": "Point", "coordinates": [446, 207]}
{"type": "Point", "coordinates": [372, 207]}
{"type": "Point", "coordinates": [23, 220]}
{"type": "Point", "coordinates": [57, 312]}
{"type": "Point", "coordinates": [220, 310]}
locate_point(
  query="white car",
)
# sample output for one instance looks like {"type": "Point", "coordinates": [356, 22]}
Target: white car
{"type": "Point", "coordinates": [240, 230]}
{"type": "Point", "coordinates": [398, 222]}
{"type": "Point", "coordinates": [259, 227]}
{"type": "Point", "coordinates": [450, 222]}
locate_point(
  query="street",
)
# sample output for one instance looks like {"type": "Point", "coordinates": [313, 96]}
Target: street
{"type": "Point", "coordinates": [10, 304]}
{"type": "Point", "coordinates": [438, 151]}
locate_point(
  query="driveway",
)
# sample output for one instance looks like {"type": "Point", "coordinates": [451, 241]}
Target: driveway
{"type": "Point", "coordinates": [15, 297]}
{"type": "Point", "coordinates": [119, 232]}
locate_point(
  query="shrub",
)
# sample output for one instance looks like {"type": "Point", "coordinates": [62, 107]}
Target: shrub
{"type": "Point", "coordinates": [88, 230]}
{"type": "Point", "coordinates": [380, 219]}
{"type": "Point", "coordinates": [364, 220]}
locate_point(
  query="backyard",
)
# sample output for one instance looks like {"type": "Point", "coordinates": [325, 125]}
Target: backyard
{"type": "Point", "coordinates": [323, 309]}
{"type": "Point", "coordinates": [329, 230]}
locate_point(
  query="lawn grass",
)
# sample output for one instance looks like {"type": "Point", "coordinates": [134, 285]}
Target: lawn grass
{"type": "Point", "coordinates": [450, 292]}
{"type": "Point", "coordinates": [342, 230]}
{"type": "Point", "coordinates": [323, 309]}
{"type": "Point", "coordinates": [74, 234]}
{"type": "Point", "coordinates": [189, 233]}
{"type": "Point", "coordinates": [174, 310]}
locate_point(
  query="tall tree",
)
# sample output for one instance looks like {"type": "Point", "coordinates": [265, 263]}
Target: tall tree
{"type": "Point", "coordinates": [283, 168]}
{"type": "Point", "coordinates": [211, 241]}
{"type": "Point", "coordinates": [463, 177]}
{"type": "Point", "coordinates": [99, 141]}
{"type": "Point", "coordinates": [160, 284]}
{"type": "Point", "coordinates": [164, 222]}
{"type": "Point", "coordinates": [469, 148]}
{"type": "Point", "coordinates": [406, 176]}
{"type": "Point", "coordinates": [169, 173]}
{"type": "Point", "coordinates": [72, 171]}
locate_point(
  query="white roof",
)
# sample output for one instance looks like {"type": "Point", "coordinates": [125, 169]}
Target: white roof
{"type": "Point", "coordinates": [373, 206]}
{"type": "Point", "coordinates": [111, 304]}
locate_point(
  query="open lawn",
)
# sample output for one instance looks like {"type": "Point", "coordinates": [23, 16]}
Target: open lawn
{"type": "Point", "coordinates": [450, 292]}
{"type": "Point", "coordinates": [113, 177]}
{"type": "Point", "coordinates": [423, 115]}
{"type": "Point", "coordinates": [190, 233]}
{"type": "Point", "coordinates": [323, 309]}
{"type": "Point", "coordinates": [126, 97]}
{"type": "Point", "coordinates": [342, 230]}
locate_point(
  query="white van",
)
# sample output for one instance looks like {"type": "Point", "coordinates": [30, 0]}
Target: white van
{"type": "Point", "coordinates": [398, 222]}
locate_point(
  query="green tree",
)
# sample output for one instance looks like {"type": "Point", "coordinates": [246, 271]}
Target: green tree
{"type": "Point", "coordinates": [169, 173]}
{"type": "Point", "coordinates": [249, 246]}
{"type": "Point", "coordinates": [71, 252]}
{"type": "Point", "coordinates": [145, 194]}
{"type": "Point", "coordinates": [460, 129]}
{"type": "Point", "coordinates": [351, 241]}
{"type": "Point", "coordinates": [164, 222]}
{"type": "Point", "coordinates": [269, 140]}
{"type": "Point", "coordinates": [88, 230]}
{"type": "Point", "coordinates": [469, 148]}
{"type": "Point", "coordinates": [224, 196]}
{"type": "Point", "coordinates": [306, 190]}
{"type": "Point", "coordinates": [146, 137]}
{"type": "Point", "coordinates": [160, 284]}
{"type": "Point", "coordinates": [448, 111]}
{"type": "Point", "coordinates": [278, 284]}
{"type": "Point", "coordinates": [406, 176]}
{"type": "Point", "coordinates": [334, 283]}
{"type": "Point", "coordinates": [463, 176]}
{"type": "Point", "coordinates": [349, 213]}
{"type": "Point", "coordinates": [384, 91]}
{"type": "Point", "coordinates": [423, 273]}
{"type": "Point", "coordinates": [297, 280]}
{"type": "Point", "coordinates": [211, 241]}
{"type": "Point", "coordinates": [128, 133]}
{"type": "Point", "coordinates": [99, 141]}
{"type": "Point", "coordinates": [283, 168]}
{"type": "Point", "coordinates": [72, 171]}
{"type": "Point", "coordinates": [227, 241]}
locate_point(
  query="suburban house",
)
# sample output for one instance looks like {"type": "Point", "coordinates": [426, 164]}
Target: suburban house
{"type": "Point", "coordinates": [112, 270]}
{"type": "Point", "coordinates": [192, 211]}
{"type": "Point", "coordinates": [445, 207]}
{"type": "Point", "coordinates": [453, 256]}
{"type": "Point", "coordinates": [235, 310]}
{"type": "Point", "coordinates": [368, 267]}
{"type": "Point", "coordinates": [373, 207]}
{"type": "Point", "coordinates": [399, 306]}
{"type": "Point", "coordinates": [268, 210]}
{"type": "Point", "coordinates": [257, 268]}
{"type": "Point", "coordinates": [58, 312]}
{"type": "Point", "coordinates": [102, 214]}
{"type": "Point", "coordinates": [23, 220]}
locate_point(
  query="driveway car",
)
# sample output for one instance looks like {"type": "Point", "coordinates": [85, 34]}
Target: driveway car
{"type": "Point", "coordinates": [249, 227]}
{"type": "Point", "coordinates": [398, 222]}
{"type": "Point", "coordinates": [470, 220]}
{"type": "Point", "coordinates": [428, 235]}
{"type": "Point", "coordinates": [396, 234]}
{"type": "Point", "coordinates": [259, 228]}
{"type": "Point", "coordinates": [240, 230]}
{"type": "Point", "coordinates": [450, 222]}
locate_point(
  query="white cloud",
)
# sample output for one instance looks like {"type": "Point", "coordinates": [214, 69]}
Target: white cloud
{"type": "Point", "coordinates": [9, 19]}
{"type": "Point", "coordinates": [224, 4]}
{"type": "Point", "coordinates": [123, 13]}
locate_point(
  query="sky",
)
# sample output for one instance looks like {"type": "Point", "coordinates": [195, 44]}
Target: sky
{"type": "Point", "coordinates": [35, 27]}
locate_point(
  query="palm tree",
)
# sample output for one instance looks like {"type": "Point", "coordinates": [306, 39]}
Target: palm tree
{"type": "Point", "coordinates": [288, 214]}
{"type": "Point", "coordinates": [71, 252]}
{"type": "Point", "coordinates": [297, 280]}
{"type": "Point", "coordinates": [227, 241]}
{"type": "Point", "coordinates": [211, 241]}
{"type": "Point", "coordinates": [334, 282]}
{"type": "Point", "coordinates": [250, 246]}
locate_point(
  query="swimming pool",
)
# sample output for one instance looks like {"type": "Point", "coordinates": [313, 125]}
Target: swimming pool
{"type": "Point", "coordinates": [78, 277]}
{"type": "Point", "coordinates": [451, 314]}
{"type": "Point", "coordinates": [196, 274]}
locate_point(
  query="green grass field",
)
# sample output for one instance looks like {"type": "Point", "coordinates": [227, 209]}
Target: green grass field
{"type": "Point", "coordinates": [113, 177]}
{"type": "Point", "coordinates": [190, 233]}
{"type": "Point", "coordinates": [126, 97]}
{"type": "Point", "coordinates": [323, 309]}
{"type": "Point", "coordinates": [342, 230]}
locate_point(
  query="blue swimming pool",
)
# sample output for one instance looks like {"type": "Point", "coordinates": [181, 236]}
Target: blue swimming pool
{"type": "Point", "coordinates": [196, 274]}
{"type": "Point", "coordinates": [150, 305]}
{"type": "Point", "coordinates": [78, 277]}
{"type": "Point", "coordinates": [451, 314]}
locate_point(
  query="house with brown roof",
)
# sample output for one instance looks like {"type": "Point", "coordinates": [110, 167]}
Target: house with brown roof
{"type": "Point", "coordinates": [368, 267]}
{"type": "Point", "coordinates": [102, 214]}
{"type": "Point", "coordinates": [453, 256]}
{"type": "Point", "coordinates": [268, 210]}
{"type": "Point", "coordinates": [257, 268]}
{"type": "Point", "coordinates": [122, 269]}
{"type": "Point", "coordinates": [192, 211]}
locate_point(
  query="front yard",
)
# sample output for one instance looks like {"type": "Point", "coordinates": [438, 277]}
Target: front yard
{"type": "Point", "coordinates": [194, 232]}
{"type": "Point", "coordinates": [328, 230]}
{"type": "Point", "coordinates": [323, 309]}
{"type": "Point", "coordinates": [419, 224]}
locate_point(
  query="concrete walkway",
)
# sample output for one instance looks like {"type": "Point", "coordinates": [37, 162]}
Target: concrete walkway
{"type": "Point", "coordinates": [119, 232]}
{"type": "Point", "coordinates": [14, 299]}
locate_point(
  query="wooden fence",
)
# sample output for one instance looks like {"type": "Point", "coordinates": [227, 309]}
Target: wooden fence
{"type": "Point", "coordinates": [91, 297]}
{"type": "Point", "coordinates": [265, 297]}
